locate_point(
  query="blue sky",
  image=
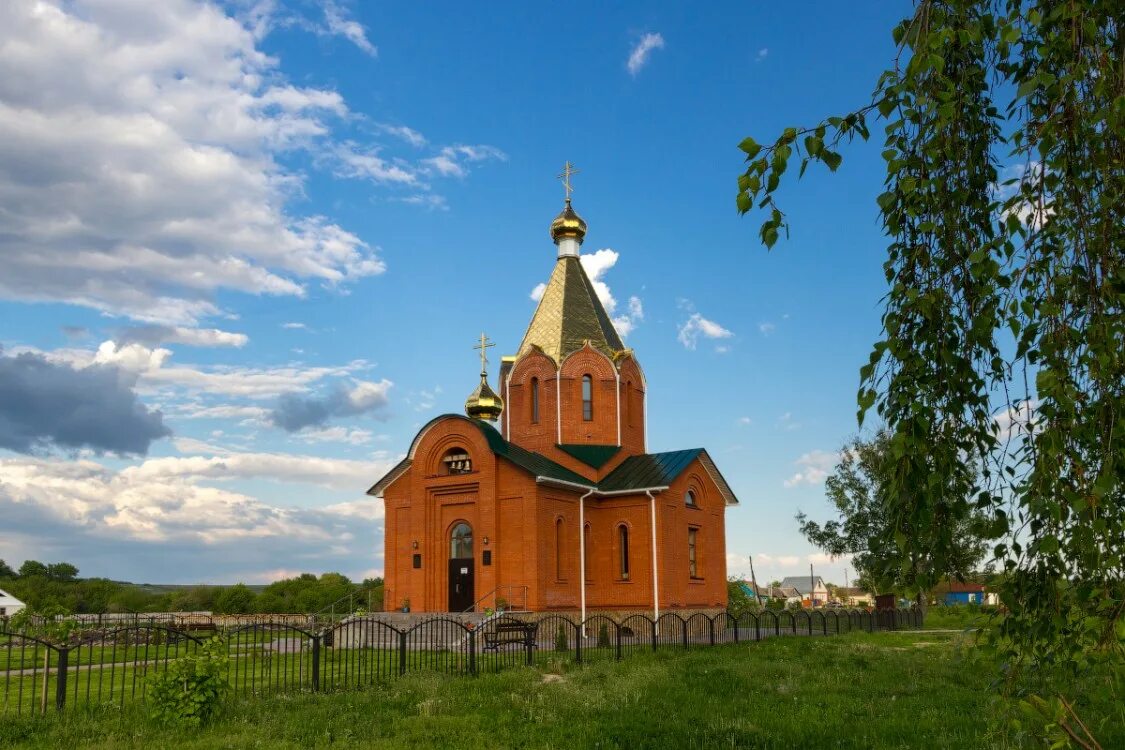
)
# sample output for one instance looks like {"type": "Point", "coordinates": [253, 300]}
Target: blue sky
{"type": "Point", "coordinates": [282, 226]}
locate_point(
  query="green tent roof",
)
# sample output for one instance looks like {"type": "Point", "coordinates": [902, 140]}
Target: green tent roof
{"type": "Point", "coordinates": [591, 455]}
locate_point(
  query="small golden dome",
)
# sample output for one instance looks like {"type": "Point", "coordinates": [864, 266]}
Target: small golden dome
{"type": "Point", "coordinates": [568, 224]}
{"type": "Point", "coordinates": [483, 403]}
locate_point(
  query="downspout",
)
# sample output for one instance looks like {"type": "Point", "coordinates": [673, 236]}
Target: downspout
{"type": "Point", "coordinates": [558, 402]}
{"type": "Point", "coordinates": [655, 573]}
{"type": "Point", "coordinates": [617, 378]}
{"type": "Point", "coordinates": [507, 411]}
{"type": "Point", "coordinates": [582, 555]}
{"type": "Point", "coordinates": [645, 418]}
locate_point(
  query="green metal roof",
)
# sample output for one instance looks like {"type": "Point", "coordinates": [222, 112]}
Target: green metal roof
{"type": "Point", "coordinates": [635, 472]}
{"type": "Point", "coordinates": [648, 470]}
{"type": "Point", "coordinates": [537, 464]}
{"type": "Point", "coordinates": [591, 455]}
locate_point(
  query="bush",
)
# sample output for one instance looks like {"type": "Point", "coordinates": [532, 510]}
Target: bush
{"type": "Point", "coordinates": [190, 691]}
{"type": "Point", "coordinates": [561, 643]}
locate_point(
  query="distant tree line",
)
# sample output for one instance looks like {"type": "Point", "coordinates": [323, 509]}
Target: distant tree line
{"type": "Point", "coordinates": [55, 588]}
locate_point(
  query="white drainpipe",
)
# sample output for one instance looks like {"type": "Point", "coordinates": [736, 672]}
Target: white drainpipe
{"type": "Point", "coordinates": [655, 574]}
{"type": "Point", "coordinates": [558, 402]}
{"type": "Point", "coordinates": [582, 555]}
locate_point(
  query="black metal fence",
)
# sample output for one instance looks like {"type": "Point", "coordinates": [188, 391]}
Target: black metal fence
{"type": "Point", "coordinates": [114, 665]}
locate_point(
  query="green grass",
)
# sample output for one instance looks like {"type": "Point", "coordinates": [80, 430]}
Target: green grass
{"type": "Point", "coordinates": [884, 690]}
{"type": "Point", "coordinates": [854, 691]}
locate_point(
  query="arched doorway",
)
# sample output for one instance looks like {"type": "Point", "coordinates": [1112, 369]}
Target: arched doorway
{"type": "Point", "coordinates": [461, 592]}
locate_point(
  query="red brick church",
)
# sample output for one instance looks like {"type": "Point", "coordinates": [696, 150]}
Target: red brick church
{"type": "Point", "coordinates": [545, 496]}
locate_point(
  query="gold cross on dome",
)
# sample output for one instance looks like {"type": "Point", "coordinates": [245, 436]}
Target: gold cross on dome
{"type": "Point", "coordinates": [484, 346]}
{"type": "Point", "coordinates": [568, 170]}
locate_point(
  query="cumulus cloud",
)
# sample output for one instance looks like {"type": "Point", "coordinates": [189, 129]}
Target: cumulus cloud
{"type": "Point", "coordinates": [138, 167]}
{"type": "Point", "coordinates": [640, 53]}
{"type": "Point", "coordinates": [697, 326]}
{"type": "Point", "coordinates": [153, 335]}
{"type": "Point", "coordinates": [408, 134]}
{"type": "Point", "coordinates": [46, 405]}
{"type": "Point", "coordinates": [814, 467]}
{"type": "Point", "coordinates": [158, 516]}
{"type": "Point", "coordinates": [295, 412]}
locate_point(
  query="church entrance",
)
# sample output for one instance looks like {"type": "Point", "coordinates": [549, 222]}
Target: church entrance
{"type": "Point", "coordinates": [462, 595]}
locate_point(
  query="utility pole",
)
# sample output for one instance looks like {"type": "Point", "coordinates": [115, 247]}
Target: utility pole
{"type": "Point", "coordinates": [754, 581]}
{"type": "Point", "coordinates": [812, 588]}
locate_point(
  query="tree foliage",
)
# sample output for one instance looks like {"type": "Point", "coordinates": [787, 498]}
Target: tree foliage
{"type": "Point", "coordinates": [858, 488]}
{"type": "Point", "coordinates": [1000, 372]}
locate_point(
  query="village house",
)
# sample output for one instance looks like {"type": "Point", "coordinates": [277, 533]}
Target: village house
{"type": "Point", "coordinates": [9, 605]}
{"type": "Point", "coordinates": [811, 590]}
{"type": "Point", "coordinates": [545, 496]}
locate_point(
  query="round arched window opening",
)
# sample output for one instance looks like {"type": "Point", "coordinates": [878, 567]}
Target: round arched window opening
{"type": "Point", "coordinates": [689, 499]}
{"type": "Point", "coordinates": [456, 461]}
{"type": "Point", "coordinates": [461, 542]}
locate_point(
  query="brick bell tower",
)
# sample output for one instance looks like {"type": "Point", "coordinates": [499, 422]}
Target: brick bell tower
{"type": "Point", "coordinates": [573, 387]}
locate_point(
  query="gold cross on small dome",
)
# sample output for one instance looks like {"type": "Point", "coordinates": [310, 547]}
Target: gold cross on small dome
{"type": "Point", "coordinates": [568, 170]}
{"type": "Point", "coordinates": [484, 346]}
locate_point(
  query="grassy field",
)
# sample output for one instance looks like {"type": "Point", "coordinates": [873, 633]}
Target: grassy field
{"type": "Point", "coordinates": [885, 690]}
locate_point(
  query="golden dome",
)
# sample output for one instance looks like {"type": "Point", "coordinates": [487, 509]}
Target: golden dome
{"type": "Point", "coordinates": [568, 224]}
{"type": "Point", "coordinates": [483, 403]}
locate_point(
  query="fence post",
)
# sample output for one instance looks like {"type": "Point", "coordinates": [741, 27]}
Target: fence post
{"type": "Point", "coordinates": [578, 630]}
{"type": "Point", "coordinates": [60, 677]}
{"type": "Point", "coordinates": [473, 651]}
{"type": "Point", "coordinates": [653, 631]}
{"type": "Point", "coordinates": [824, 623]}
{"type": "Point", "coordinates": [529, 635]}
{"type": "Point", "coordinates": [735, 627]}
{"type": "Point", "coordinates": [683, 630]}
{"type": "Point", "coordinates": [617, 629]}
{"type": "Point", "coordinates": [316, 662]}
{"type": "Point", "coordinates": [402, 652]}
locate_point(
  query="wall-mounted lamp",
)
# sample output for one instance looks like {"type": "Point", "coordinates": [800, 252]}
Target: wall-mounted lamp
{"type": "Point", "coordinates": [485, 541]}
{"type": "Point", "coordinates": [414, 545]}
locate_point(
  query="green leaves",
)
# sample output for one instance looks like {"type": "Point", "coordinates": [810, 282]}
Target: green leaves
{"type": "Point", "coordinates": [999, 374]}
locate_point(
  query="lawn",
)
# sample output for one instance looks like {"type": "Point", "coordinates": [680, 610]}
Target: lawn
{"type": "Point", "coordinates": [860, 690]}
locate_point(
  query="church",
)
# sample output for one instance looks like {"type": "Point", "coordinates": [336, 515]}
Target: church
{"type": "Point", "coordinates": [544, 497]}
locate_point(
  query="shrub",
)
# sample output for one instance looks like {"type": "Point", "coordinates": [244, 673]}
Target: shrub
{"type": "Point", "coordinates": [603, 636]}
{"type": "Point", "coordinates": [561, 643]}
{"type": "Point", "coordinates": [191, 689]}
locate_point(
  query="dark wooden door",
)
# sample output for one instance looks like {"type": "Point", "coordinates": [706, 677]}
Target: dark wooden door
{"type": "Point", "coordinates": [461, 593]}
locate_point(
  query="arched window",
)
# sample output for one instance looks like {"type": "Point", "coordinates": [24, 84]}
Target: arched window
{"type": "Point", "coordinates": [586, 553]}
{"type": "Point", "coordinates": [456, 461]}
{"type": "Point", "coordinates": [692, 552]}
{"type": "Point", "coordinates": [558, 549]}
{"type": "Point", "coordinates": [623, 550]}
{"type": "Point", "coordinates": [461, 542]}
{"type": "Point", "coordinates": [587, 398]}
{"type": "Point", "coordinates": [535, 400]}
{"type": "Point", "coordinates": [627, 403]}
{"type": "Point", "coordinates": [689, 499]}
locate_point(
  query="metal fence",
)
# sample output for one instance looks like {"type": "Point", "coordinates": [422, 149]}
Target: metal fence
{"type": "Point", "coordinates": [115, 664]}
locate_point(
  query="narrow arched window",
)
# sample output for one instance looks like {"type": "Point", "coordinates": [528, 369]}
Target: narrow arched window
{"type": "Point", "coordinates": [587, 398]}
{"type": "Point", "coordinates": [689, 499]}
{"type": "Point", "coordinates": [623, 549]}
{"type": "Point", "coordinates": [692, 551]}
{"type": "Point", "coordinates": [586, 552]}
{"type": "Point", "coordinates": [558, 549]}
{"type": "Point", "coordinates": [627, 403]}
{"type": "Point", "coordinates": [535, 399]}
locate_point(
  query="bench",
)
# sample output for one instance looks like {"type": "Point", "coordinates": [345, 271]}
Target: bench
{"type": "Point", "coordinates": [506, 633]}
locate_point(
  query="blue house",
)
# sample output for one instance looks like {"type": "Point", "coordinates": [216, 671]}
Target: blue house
{"type": "Point", "coordinates": [964, 593]}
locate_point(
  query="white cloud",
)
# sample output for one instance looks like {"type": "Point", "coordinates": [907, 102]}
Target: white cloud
{"type": "Point", "coordinates": [337, 435]}
{"type": "Point", "coordinates": [338, 22]}
{"type": "Point", "coordinates": [640, 53]}
{"type": "Point", "coordinates": [697, 326]}
{"type": "Point", "coordinates": [744, 421]}
{"type": "Point", "coordinates": [1016, 420]}
{"type": "Point", "coordinates": [814, 468]}
{"type": "Point", "coordinates": [164, 509]}
{"type": "Point", "coordinates": [766, 328]}
{"type": "Point", "coordinates": [787, 423]}
{"type": "Point", "coordinates": [410, 135]}
{"type": "Point", "coordinates": [762, 53]}
{"type": "Point", "coordinates": [202, 337]}
{"type": "Point", "coordinates": [453, 161]}
{"type": "Point", "coordinates": [537, 292]}
{"type": "Point", "coordinates": [295, 326]}
{"type": "Point", "coordinates": [138, 162]}
{"type": "Point", "coordinates": [626, 322]}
